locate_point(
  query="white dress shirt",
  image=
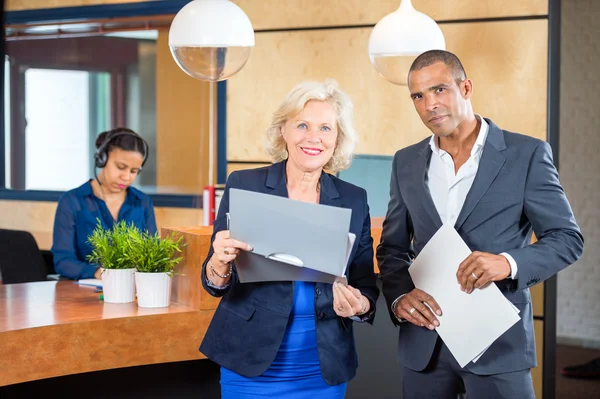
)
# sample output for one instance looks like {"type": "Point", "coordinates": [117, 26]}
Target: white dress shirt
{"type": "Point", "coordinates": [448, 189]}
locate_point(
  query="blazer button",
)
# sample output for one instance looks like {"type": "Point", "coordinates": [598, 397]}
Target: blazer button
{"type": "Point", "coordinates": [320, 315]}
{"type": "Point", "coordinates": [318, 291]}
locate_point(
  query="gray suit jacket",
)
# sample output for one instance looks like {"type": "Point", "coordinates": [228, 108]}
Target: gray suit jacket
{"type": "Point", "coordinates": [516, 192]}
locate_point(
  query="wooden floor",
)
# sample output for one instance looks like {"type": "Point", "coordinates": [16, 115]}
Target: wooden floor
{"type": "Point", "coordinates": [575, 388]}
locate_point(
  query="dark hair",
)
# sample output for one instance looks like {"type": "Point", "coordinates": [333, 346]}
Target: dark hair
{"type": "Point", "coordinates": [126, 142]}
{"type": "Point", "coordinates": [431, 57]}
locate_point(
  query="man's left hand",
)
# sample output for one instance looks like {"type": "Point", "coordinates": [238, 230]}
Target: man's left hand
{"type": "Point", "coordinates": [480, 269]}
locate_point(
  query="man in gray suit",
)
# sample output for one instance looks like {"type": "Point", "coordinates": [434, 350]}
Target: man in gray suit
{"type": "Point", "coordinates": [496, 188]}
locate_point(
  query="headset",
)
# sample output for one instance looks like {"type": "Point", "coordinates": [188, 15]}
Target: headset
{"type": "Point", "coordinates": [101, 155]}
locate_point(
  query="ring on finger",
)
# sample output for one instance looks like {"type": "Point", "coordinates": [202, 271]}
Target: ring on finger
{"type": "Point", "coordinates": [474, 276]}
{"type": "Point", "coordinates": [226, 252]}
{"type": "Point", "coordinates": [411, 311]}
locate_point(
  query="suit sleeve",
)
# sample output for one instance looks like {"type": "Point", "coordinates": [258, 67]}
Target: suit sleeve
{"type": "Point", "coordinates": [395, 251]}
{"type": "Point", "coordinates": [220, 224]}
{"type": "Point", "coordinates": [559, 239]}
{"type": "Point", "coordinates": [362, 274]}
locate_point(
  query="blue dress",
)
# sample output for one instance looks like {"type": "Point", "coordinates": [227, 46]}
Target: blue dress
{"type": "Point", "coordinates": [296, 371]}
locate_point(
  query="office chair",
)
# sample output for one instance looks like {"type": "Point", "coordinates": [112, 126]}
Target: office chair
{"type": "Point", "coordinates": [21, 260]}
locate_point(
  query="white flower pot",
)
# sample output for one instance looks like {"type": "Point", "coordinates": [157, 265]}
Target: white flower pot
{"type": "Point", "coordinates": [153, 289]}
{"type": "Point", "coordinates": [118, 285]}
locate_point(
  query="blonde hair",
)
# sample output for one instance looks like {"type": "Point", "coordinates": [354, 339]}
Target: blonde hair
{"type": "Point", "coordinates": [293, 104]}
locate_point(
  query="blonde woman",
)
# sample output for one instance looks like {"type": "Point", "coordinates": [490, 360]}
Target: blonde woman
{"type": "Point", "coordinates": [294, 339]}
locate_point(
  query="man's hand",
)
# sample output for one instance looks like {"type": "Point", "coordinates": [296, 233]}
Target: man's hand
{"type": "Point", "coordinates": [415, 308]}
{"type": "Point", "coordinates": [480, 269]}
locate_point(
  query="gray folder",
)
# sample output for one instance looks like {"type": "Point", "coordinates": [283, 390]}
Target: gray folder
{"type": "Point", "coordinates": [291, 240]}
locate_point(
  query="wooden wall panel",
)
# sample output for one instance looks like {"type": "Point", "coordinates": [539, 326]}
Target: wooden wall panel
{"type": "Point", "coordinates": [18, 5]}
{"type": "Point", "coordinates": [282, 59]}
{"type": "Point", "coordinates": [509, 74]}
{"type": "Point", "coordinates": [232, 166]}
{"type": "Point", "coordinates": [38, 218]}
{"type": "Point", "coordinates": [536, 373]}
{"type": "Point", "coordinates": [182, 125]}
{"type": "Point", "coordinates": [277, 14]}
{"type": "Point", "coordinates": [178, 217]}
{"type": "Point", "coordinates": [442, 10]}
{"type": "Point", "coordinates": [537, 298]}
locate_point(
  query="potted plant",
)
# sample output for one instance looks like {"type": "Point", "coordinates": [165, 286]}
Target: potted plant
{"type": "Point", "coordinates": [111, 249]}
{"type": "Point", "coordinates": [155, 260]}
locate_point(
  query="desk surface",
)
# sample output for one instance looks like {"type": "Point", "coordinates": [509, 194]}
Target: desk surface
{"type": "Point", "coordinates": [49, 329]}
{"type": "Point", "coordinates": [59, 302]}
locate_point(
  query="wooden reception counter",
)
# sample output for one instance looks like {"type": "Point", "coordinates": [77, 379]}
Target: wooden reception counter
{"type": "Point", "coordinates": [50, 329]}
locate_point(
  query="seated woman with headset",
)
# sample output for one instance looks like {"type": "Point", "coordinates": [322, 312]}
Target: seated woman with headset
{"type": "Point", "coordinates": [121, 153]}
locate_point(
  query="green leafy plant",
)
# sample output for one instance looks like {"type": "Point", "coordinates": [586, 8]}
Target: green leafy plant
{"type": "Point", "coordinates": [125, 246]}
{"type": "Point", "coordinates": [153, 254]}
{"type": "Point", "coordinates": [111, 248]}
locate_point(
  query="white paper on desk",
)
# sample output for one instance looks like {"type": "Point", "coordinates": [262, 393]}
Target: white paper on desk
{"type": "Point", "coordinates": [90, 281]}
{"type": "Point", "coordinates": [470, 323]}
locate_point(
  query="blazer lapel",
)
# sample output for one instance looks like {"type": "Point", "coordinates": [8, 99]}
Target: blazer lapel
{"type": "Point", "coordinates": [329, 194]}
{"type": "Point", "coordinates": [276, 180]}
{"type": "Point", "coordinates": [489, 165]}
{"type": "Point", "coordinates": [421, 190]}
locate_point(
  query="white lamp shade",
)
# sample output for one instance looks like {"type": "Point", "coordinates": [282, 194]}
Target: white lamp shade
{"type": "Point", "coordinates": [399, 38]}
{"type": "Point", "coordinates": [211, 23]}
{"type": "Point", "coordinates": [211, 39]}
{"type": "Point", "coordinates": [405, 32]}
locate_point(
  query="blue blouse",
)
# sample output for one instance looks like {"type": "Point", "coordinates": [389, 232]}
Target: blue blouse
{"type": "Point", "coordinates": [76, 218]}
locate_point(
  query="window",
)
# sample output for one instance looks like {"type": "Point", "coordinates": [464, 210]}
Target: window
{"type": "Point", "coordinates": [59, 107]}
{"type": "Point", "coordinates": [63, 92]}
{"type": "Point", "coordinates": [94, 68]}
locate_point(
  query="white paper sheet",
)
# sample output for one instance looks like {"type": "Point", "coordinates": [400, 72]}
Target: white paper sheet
{"type": "Point", "coordinates": [470, 323]}
{"type": "Point", "coordinates": [90, 281]}
{"type": "Point", "coordinates": [482, 352]}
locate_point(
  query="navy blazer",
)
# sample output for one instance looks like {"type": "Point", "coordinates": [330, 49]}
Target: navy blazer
{"type": "Point", "coordinates": [516, 192]}
{"type": "Point", "coordinates": [248, 326]}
